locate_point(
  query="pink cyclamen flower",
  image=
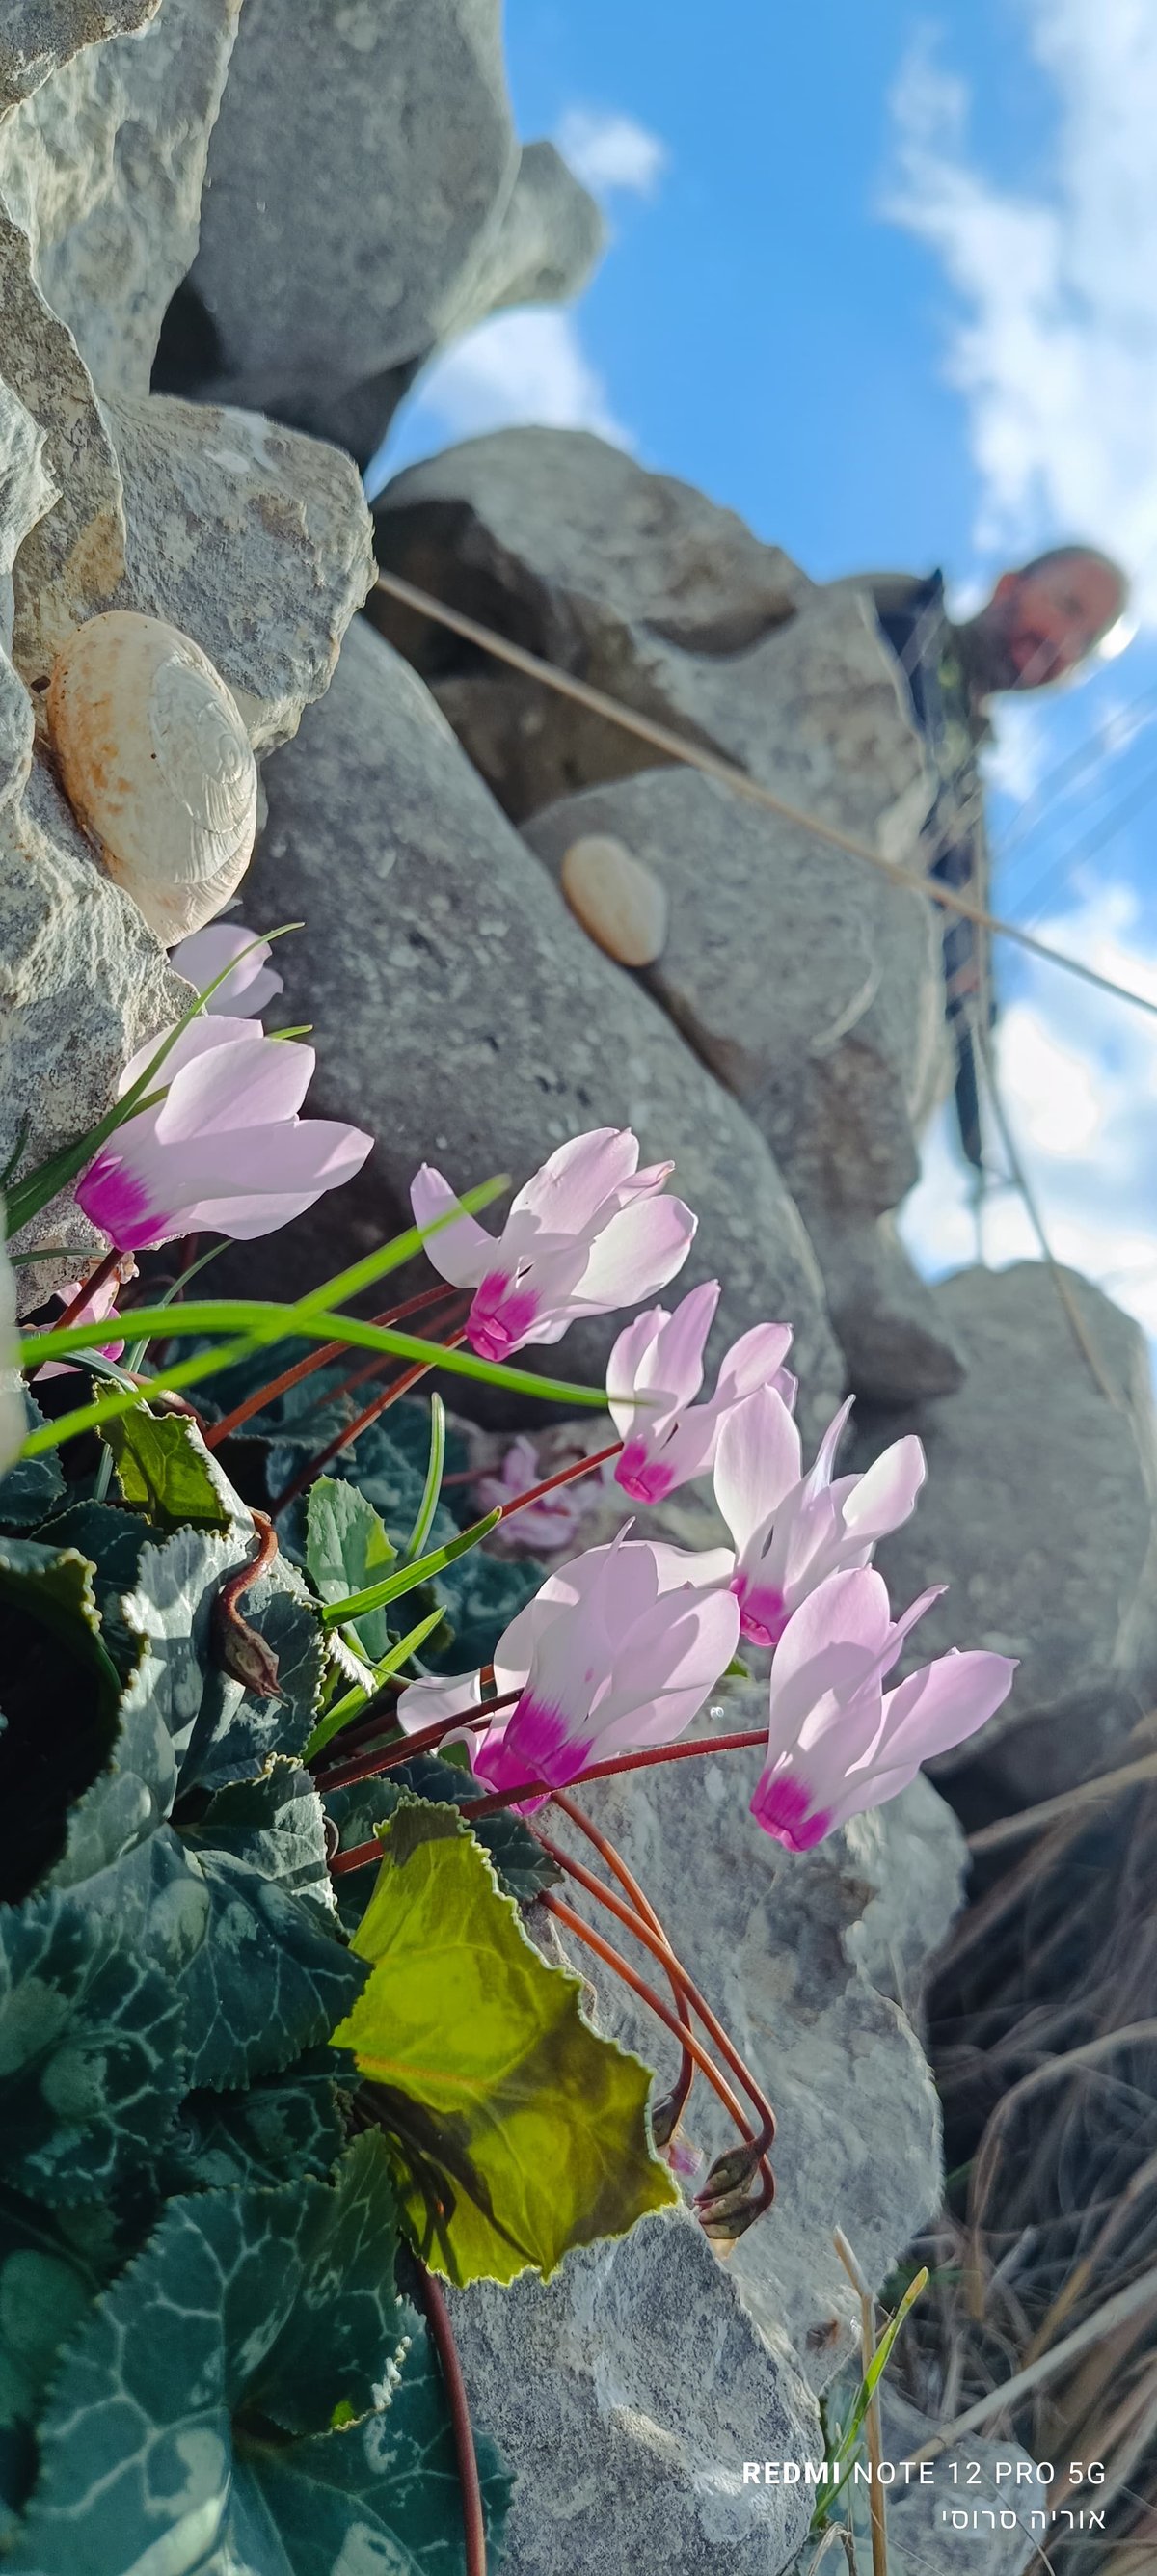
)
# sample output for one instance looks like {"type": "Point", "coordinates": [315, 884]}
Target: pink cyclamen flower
{"type": "Point", "coordinates": [225, 1149]}
{"type": "Point", "coordinates": [588, 1233]}
{"type": "Point", "coordinates": [542, 1527]}
{"type": "Point", "coordinates": [93, 1311]}
{"type": "Point", "coordinates": [654, 1374]}
{"type": "Point", "coordinates": [792, 1530]}
{"type": "Point", "coordinates": [617, 1650]}
{"type": "Point", "coordinates": [252, 984]}
{"type": "Point", "coordinates": [837, 1741]}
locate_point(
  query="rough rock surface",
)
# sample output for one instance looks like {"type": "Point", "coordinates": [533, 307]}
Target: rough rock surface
{"type": "Point", "coordinates": [28, 492]}
{"type": "Point", "coordinates": [641, 585]}
{"type": "Point", "coordinates": [39, 36]}
{"type": "Point", "coordinates": [103, 165]}
{"type": "Point", "coordinates": [806, 1961]}
{"type": "Point", "coordinates": [627, 2394]}
{"type": "Point", "coordinates": [463, 1016]}
{"type": "Point", "coordinates": [395, 127]}
{"type": "Point", "coordinates": [83, 984]}
{"type": "Point", "coordinates": [812, 987]}
{"type": "Point", "coordinates": [204, 488]}
{"type": "Point", "coordinates": [69, 565]}
{"type": "Point", "coordinates": [1039, 1512]}
{"type": "Point", "coordinates": [653, 2368]}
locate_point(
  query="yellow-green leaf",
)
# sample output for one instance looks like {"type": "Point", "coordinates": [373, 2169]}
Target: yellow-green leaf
{"type": "Point", "coordinates": [517, 2131]}
{"type": "Point", "coordinates": [164, 1469]}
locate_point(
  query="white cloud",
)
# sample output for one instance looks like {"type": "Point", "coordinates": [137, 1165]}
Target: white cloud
{"type": "Point", "coordinates": [517, 367]}
{"type": "Point", "coordinates": [1054, 344]}
{"type": "Point", "coordinates": [1078, 1074]}
{"type": "Point", "coordinates": [610, 151]}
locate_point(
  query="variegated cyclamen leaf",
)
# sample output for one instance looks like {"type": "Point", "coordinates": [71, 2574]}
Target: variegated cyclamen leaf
{"type": "Point", "coordinates": [280, 2129]}
{"type": "Point", "coordinates": [47, 2278]}
{"type": "Point", "coordinates": [244, 2306]}
{"type": "Point", "coordinates": [220, 1730]}
{"type": "Point", "coordinates": [518, 2132]}
{"type": "Point", "coordinates": [91, 2026]}
{"type": "Point", "coordinates": [31, 1486]}
{"type": "Point", "coordinates": [392, 2480]}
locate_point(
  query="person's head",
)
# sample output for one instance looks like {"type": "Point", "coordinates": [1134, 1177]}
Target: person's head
{"type": "Point", "coordinates": [1043, 620]}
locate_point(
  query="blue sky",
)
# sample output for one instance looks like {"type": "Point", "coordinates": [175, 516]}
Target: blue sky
{"type": "Point", "coordinates": [885, 281]}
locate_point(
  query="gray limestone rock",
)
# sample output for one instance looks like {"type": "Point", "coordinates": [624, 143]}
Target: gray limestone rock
{"type": "Point", "coordinates": [83, 984]}
{"type": "Point", "coordinates": [804, 1960]}
{"type": "Point", "coordinates": [1039, 1513]}
{"type": "Point", "coordinates": [254, 540]}
{"type": "Point", "coordinates": [103, 164]}
{"type": "Point", "coordinates": [392, 122]}
{"type": "Point", "coordinates": [39, 36]}
{"type": "Point", "coordinates": [70, 562]}
{"type": "Point", "coordinates": [812, 987]}
{"type": "Point", "coordinates": [626, 2395]}
{"type": "Point", "coordinates": [644, 587]}
{"type": "Point", "coordinates": [27, 491]}
{"type": "Point", "coordinates": [464, 1017]}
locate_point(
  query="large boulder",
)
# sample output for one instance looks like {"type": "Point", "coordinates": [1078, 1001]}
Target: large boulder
{"type": "Point", "coordinates": [392, 125]}
{"type": "Point", "coordinates": [463, 1016]}
{"type": "Point", "coordinates": [102, 161]}
{"type": "Point", "coordinates": [1039, 1514]}
{"type": "Point", "coordinates": [812, 987]}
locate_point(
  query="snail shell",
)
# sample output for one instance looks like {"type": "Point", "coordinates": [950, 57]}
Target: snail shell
{"type": "Point", "coordinates": [156, 764]}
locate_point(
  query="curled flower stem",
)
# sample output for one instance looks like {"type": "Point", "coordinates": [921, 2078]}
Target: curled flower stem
{"type": "Point", "coordinates": [268, 1394]}
{"type": "Point", "coordinates": [660, 1949]}
{"type": "Point", "coordinates": [679, 2096]}
{"type": "Point", "coordinates": [91, 1287]}
{"type": "Point", "coordinates": [572, 1922]}
{"type": "Point", "coordinates": [361, 1422]}
{"type": "Point", "coordinates": [469, 2485]}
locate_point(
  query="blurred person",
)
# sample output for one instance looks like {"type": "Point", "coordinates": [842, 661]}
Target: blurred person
{"type": "Point", "coordinates": [1039, 625]}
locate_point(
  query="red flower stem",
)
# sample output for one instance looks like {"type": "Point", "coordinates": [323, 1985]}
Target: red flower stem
{"type": "Point", "coordinates": [469, 2485]}
{"type": "Point", "coordinates": [388, 1757]}
{"type": "Point", "coordinates": [565, 1476]}
{"type": "Point", "coordinates": [573, 1923]}
{"type": "Point", "coordinates": [276, 1386]}
{"type": "Point", "coordinates": [379, 1360]}
{"type": "Point", "coordinates": [88, 1288]}
{"type": "Point", "coordinates": [366, 1855]}
{"type": "Point", "coordinates": [681, 2090]}
{"type": "Point", "coordinates": [491, 1805]}
{"type": "Point", "coordinates": [360, 1423]}
{"type": "Point", "coordinates": [660, 1949]}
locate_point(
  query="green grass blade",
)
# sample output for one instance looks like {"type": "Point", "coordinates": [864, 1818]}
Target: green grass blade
{"type": "Point", "coordinates": [422, 1570]}
{"type": "Point", "coordinates": [344, 1710]}
{"type": "Point", "coordinates": [433, 1485]}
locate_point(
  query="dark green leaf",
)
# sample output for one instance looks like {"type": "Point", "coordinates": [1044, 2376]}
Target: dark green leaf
{"type": "Point", "coordinates": [90, 2040]}
{"type": "Point", "coordinates": [408, 1577]}
{"type": "Point", "coordinates": [47, 2278]}
{"type": "Point", "coordinates": [282, 2128]}
{"type": "Point", "coordinates": [163, 1468]}
{"type": "Point", "coordinates": [346, 1550]}
{"type": "Point", "coordinates": [271, 1975]}
{"type": "Point", "coordinates": [219, 1730]}
{"type": "Point", "coordinates": [392, 2478]}
{"type": "Point", "coordinates": [258, 2308]}
{"type": "Point", "coordinates": [61, 1691]}
{"type": "Point", "coordinates": [30, 1487]}
{"type": "Point", "coordinates": [483, 1594]}
{"type": "Point", "coordinates": [519, 2132]}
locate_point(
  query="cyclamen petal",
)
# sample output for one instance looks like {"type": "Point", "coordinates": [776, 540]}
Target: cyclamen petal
{"type": "Point", "coordinates": [202, 956]}
{"type": "Point", "coordinates": [585, 1234]}
{"type": "Point", "coordinates": [838, 1743]}
{"type": "Point", "coordinates": [620, 1647]}
{"type": "Point", "coordinates": [224, 1148]}
{"type": "Point", "coordinates": [792, 1530]}
{"type": "Point", "coordinates": [653, 1375]}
